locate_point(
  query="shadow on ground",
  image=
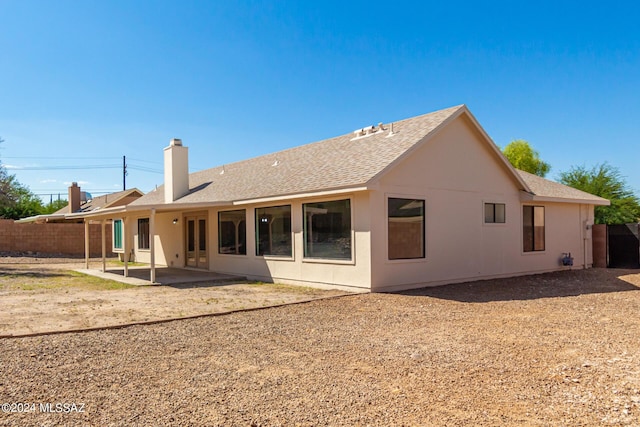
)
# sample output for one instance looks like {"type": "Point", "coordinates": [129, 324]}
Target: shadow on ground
{"type": "Point", "coordinates": [548, 285]}
{"type": "Point", "coordinates": [19, 272]}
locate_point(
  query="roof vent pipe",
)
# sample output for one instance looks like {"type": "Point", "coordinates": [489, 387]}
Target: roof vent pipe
{"type": "Point", "coordinates": [391, 133]}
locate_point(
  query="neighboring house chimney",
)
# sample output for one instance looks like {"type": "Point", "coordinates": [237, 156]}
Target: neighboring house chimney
{"type": "Point", "coordinates": [176, 171]}
{"type": "Point", "coordinates": [74, 198]}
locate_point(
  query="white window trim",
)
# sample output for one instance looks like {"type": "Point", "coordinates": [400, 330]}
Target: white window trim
{"type": "Point", "coordinates": [137, 242]}
{"type": "Point", "coordinates": [532, 253]}
{"type": "Point", "coordinates": [495, 224]}
{"type": "Point", "coordinates": [351, 261]}
{"type": "Point", "coordinates": [113, 236]}
{"type": "Point", "coordinates": [388, 196]}
{"type": "Point", "coordinates": [246, 215]}
{"type": "Point", "coordinates": [292, 257]}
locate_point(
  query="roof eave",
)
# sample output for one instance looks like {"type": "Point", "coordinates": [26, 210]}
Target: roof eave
{"type": "Point", "coordinates": [529, 197]}
{"type": "Point", "coordinates": [43, 218]}
{"type": "Point", "coordinates": [310, 194]}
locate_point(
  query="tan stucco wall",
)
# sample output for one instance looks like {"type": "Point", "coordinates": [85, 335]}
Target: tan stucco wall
{"type": "Point", "coordinates": [456, 175]}
{"type": "Point", "coordinates": [355, 273]}
{"type": "Point", "coordinates": [168, 240]}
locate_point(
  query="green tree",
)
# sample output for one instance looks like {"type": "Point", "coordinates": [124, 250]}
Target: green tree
{"type": "Point", "coordinates": [16, 200]}
{"type": "Point", "coordinates": [605, 181]}
{"type": "Point", "coordinates": [54, 206]}
{"type": "Point", "coordinates": [522, 156]}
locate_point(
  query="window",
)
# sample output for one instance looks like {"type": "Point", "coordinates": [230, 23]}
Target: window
{"type": "Point", "coordinates": [273, 231]}
{"type": "Point", "coordinates": [533, 228]}
{"type": "Point", "coordinates": [117, 234]}
{"type": "Point", "coordinates": [327, 229]}
{"type": "Point", "coordinates": [405, 228]}
{"type": "Point", "coordinates": [232, 232]}
{"type": "Point", "coordinates": [494, 213]}
{"type": "Point", "coordinates": [143, 233]}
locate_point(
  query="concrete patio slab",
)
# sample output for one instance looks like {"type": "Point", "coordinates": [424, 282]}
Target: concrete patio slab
{"type": "Point", "coordinates": [167, 276]}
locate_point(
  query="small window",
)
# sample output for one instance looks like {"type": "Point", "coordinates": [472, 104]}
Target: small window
{"type": "Point", "coordinates": [405, 228]}
{"type": "Point", "coordinates": [232, 232]}
{"type": "Point", "coordinates": [533, 228]}
{"type": "Point", "coordinates": [117, 234]}
{"type": "Point", "coordinates": [273, 231]}
{"type": "Point", "coordinates": [143, 233]}
{"type": "Point", "coordinates": [327, 230]}
{"type": "Point", "coordinates": [494, 213]}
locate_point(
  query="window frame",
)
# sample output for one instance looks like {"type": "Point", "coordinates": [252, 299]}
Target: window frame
{"type": "Point", "coordinates": [533, 232]}
{"type": "Point", "coordinates": [420, 198]}
{"type": "Point", "coordinates": [494, 222]}
{"type": "Point", "coordinates": [141, 235]}
{"type": "Point", "coordinates": [352, 236]}
{"type": "Point", "coordinates": [114, 239]}
{"type": "Point", "coordinates": [291, 255]}
{"type": "Point", "coordinates": [244, 211]}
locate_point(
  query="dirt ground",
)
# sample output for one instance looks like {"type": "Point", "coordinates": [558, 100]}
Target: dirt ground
{"type": "Point", "coordinates": [46, 308]}
{"type": "Point", "coordinates": [545, 350]}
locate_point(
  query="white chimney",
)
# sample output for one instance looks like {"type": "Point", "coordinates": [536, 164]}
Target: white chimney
{"type": "Point", "coordinates": [176, 171]}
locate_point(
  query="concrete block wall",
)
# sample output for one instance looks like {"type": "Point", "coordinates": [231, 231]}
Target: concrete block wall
{"type": "Point", "coordinates": [52, 238]}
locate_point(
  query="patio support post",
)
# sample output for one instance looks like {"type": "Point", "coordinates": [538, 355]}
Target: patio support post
{"type": "Point", "coordinates": [152, 249]}
{"type": "Point", "coordinates": [125, 245]}
{"type": "Point", "coordinates": [86, 244]}
{"type": "Point", "coordinates": [103, 226]}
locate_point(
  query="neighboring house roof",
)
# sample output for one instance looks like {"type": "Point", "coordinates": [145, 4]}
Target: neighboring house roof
{"type": "Point", "coordinates": [120, 198]}
{"type": "Point", "coordinates": [110, 200]}
{"type": "Point", "coordinates": [545, 190]}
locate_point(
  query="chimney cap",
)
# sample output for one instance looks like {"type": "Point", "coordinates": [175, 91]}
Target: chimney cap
{"type": "Point", "coordinates": [176, 141]}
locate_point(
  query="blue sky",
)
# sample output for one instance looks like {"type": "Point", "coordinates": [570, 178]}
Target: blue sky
{"type": "Point", "coordinates": [84, 83]}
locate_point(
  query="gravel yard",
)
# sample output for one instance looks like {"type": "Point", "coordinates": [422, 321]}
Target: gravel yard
{"type": "Point", "coordinates": [554, 349]}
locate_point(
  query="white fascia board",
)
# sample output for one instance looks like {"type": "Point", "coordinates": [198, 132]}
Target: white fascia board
{"type": "Point", "coordinates": [527, 197]}
{"type": "Point", "coordinates": [43, 218]}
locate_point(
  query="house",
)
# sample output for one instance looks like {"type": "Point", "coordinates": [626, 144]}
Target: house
{"type": "Point", "coordinates": [424, 201]}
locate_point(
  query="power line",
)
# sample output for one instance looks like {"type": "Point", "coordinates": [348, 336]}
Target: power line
{"type": "Point", "coordinates": [146, 161]}
{"type": "Point", "coordinates": [66, 167]}
{"type": "Point", "coordinates": [83, 167]}
{"type": "Point", "coordinates": [144, 169]}
{"type": "Point", "coordinates": [58, 158]}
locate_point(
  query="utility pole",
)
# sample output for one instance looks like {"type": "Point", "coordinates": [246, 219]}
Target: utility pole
{"type": "Point", "coordinates": [124, 173]}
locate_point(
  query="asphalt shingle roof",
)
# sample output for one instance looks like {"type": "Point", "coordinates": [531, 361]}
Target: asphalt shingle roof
{"type": "Point", "coordinates": [104, 201]}
{"type": "Point", "coordinates": [334, 163]}
{"type": "Point", "coordinates": [544, 188]}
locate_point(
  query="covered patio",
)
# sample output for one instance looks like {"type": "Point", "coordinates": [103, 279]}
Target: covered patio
{"type": "Point", "coordinates": [130, 273]}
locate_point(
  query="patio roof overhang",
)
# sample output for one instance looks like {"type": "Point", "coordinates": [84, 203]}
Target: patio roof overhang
{"type": "Point", "coordinates": [116, 212]}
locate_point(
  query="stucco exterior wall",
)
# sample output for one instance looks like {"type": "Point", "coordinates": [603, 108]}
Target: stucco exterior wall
{"type": "Point", "coordinates": [297, 270]}
{"type": "Point", "coordinates": [456, 174]}
{"type": "Point", "coordinates": [169, 240]}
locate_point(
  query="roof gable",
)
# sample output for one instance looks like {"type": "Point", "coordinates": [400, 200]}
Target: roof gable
{"type": "Point", "coordinates": [105, 201]}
